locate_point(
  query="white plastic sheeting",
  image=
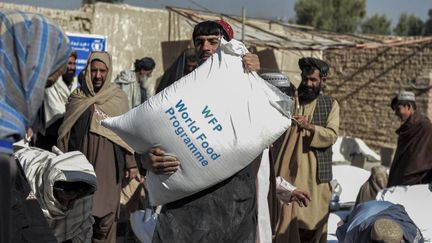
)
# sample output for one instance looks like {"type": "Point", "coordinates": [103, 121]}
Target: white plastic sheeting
{"type": "Point", "coordinates": [351, 178]}
{"type": "Point", "coordinates": [345, 147]}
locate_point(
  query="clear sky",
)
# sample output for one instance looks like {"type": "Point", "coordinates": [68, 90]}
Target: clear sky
{"type": "Point", "coordinates": [256, 8]}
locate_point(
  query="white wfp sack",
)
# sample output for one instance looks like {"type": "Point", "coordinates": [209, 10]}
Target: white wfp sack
{"type": "Point", "coordinates": [263, 187]}
{"type": "Point", "coordinates": [350, 178]}
{"type": "Point", "coordinates": [215, 120]}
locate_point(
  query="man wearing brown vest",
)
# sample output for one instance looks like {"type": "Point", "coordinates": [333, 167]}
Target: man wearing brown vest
{"type": "Point", "coordinates": [303, 155]}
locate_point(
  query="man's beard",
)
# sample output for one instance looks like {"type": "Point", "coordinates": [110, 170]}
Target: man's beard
{"type": "Point", "coordinates": [68, 77]}
{"type": "Point", "coordinates": [142, 80]}
{"type": "Point", "coordinates": [307, 95]}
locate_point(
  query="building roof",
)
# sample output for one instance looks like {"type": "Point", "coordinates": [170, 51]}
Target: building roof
{"type": "Point", "coordinates": [260, 33]}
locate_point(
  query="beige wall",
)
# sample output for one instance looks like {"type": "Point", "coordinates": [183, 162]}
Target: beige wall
{"type": "Point", "coordinates": [132, 34]}
{"type": "Point", "coordinates": [364, 81]}
{"type": "Point", "coordinates": [135, 32]}
{"type": "Point", "coordinates": [76, 21]}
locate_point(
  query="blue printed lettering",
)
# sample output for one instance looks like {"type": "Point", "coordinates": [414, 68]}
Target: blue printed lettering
{"type": "Point", "coordinates": [213, 121]}
{"type": "Point", "coordinates": [170, 111]}
{"type": "Point", "coordinates": [179, 131]}
{"type": "Point", "coordinates": [218, 127]}
{"type": "Point", "coordinates": [209, 150]}
{"type": "Point", "coordinates": [176, 123]}
{"type": "Point", "coordinates": [185, 115]}
{"type": "Point", "coordinates": [215, 156]}
{"type": "Point", "coordinates": [205, 145]}
{"type": "Point", "coordinates": [187, 123]}
{"type": "Point", "coordinates": [206, 112]}
{"type": "Point", "coordinates": [181, 106]}
{"type": "Point", "coordinates": [202, 137]}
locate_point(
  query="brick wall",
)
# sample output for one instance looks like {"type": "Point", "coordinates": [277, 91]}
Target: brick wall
{"type": "Point", "coordinates": [365, 80]}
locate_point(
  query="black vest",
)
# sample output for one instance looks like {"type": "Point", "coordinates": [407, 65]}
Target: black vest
{"type": "Point", "coordinates": [323, 155]}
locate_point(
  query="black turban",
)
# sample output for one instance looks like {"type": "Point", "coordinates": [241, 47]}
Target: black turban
{"type": "Point", "coordinates": [310, 63]}
{"type": "Point", "coordinates": [146, 63]}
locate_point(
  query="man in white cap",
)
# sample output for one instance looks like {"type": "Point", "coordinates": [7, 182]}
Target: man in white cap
{"type": "Point", "coordinates": [412, 163]}
{"type": "Point", "coordinates": [281, 81]}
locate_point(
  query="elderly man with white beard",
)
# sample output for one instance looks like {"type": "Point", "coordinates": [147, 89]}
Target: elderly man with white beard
{"type": "Point", "coordinates": [134, 82]}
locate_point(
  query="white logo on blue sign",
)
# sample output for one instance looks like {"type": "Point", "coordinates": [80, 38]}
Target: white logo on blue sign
{"type": "Point", "coordinates": [97, 45]}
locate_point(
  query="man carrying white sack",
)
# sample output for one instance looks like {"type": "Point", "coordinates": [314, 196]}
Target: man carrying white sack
{"type": "Point", "coordinates": [225, 212]}
{"type": "Point", "coordinates": [64, 185]}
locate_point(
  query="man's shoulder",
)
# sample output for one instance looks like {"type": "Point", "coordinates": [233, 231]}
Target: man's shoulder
{"type": "Point", "coordinates": [121, 93]}
{"type": "Point", "coordinates": [74, 84]}
{"type": "Point", "coordinates": [125, 77]}
{"type": "Point", "coordinates": [329, 100]}
{"type": "Point", "coordinates": [424, 120]}
{"type": "Point", "coordinates": [326, 98]}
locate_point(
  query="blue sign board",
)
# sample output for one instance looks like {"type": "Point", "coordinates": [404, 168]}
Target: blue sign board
{"type": "Point", "coordinates": [83, 44]}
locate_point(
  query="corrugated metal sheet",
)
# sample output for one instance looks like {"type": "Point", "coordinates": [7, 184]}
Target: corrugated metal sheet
{"type": "Point", "coordinates": [297, 37]}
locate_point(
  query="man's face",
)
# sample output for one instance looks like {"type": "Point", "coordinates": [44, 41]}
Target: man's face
{"type": "Point", "coordinates": [71, 65]}
{"type": "Point", "coordinates": [205, 46]}
{"type": "Point", "coordinates": [69, 75]}
{"type": "Point", "coordinates": [142, 74]}
{"type": "Point", "coordinates": [310, 86]}
{"type": "Point", "coordinates": [99, 72]}
{"type": "Point", "coordinates": [312, 80]}
{"type": "Point", "coordinates": [403, 112]}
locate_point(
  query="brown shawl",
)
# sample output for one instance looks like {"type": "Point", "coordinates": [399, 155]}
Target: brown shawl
{"type": "Point", "coordinates": [376, 182]}
{"type": "Point", "coordinates": [109, 101]}
{"type": "Point", "coordinates": [412, 163]}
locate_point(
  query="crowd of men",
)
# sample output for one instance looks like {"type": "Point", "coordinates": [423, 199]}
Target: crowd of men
{"type": "Point", "coordinates": [43, 103]}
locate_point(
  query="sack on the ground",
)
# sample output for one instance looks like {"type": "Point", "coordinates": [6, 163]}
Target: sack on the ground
{"type": "Point", "coordinates": [350, 179]}
{"type": "Point", "coordinates": [216, 120]}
